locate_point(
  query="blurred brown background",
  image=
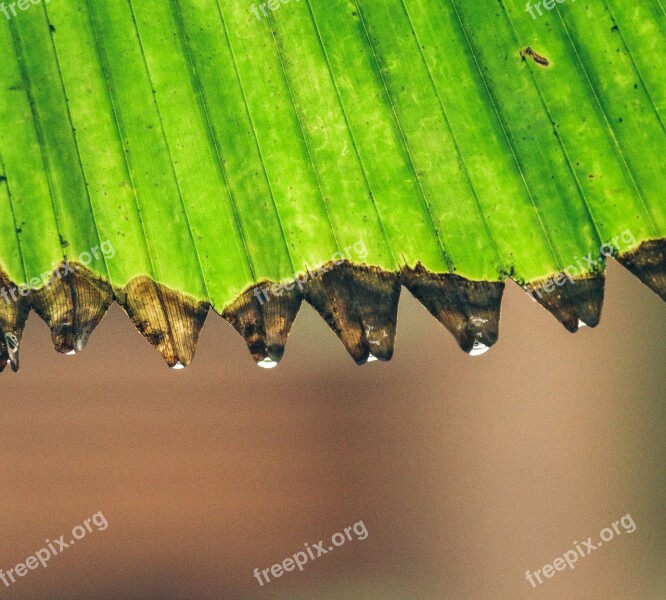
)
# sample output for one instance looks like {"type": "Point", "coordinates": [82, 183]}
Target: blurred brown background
{"type": "Point", "coordinates": [465, 471]}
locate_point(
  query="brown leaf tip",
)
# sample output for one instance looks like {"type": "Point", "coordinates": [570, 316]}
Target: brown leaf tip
{"type": "Point", "coordinates": [72, 304]}
{"type": "Point", "coordinates": [574, 301]}
{"type": "Point", "coordinates": [264, 320]}
{"type": "Point", "coordinates": [13, 315]}
{"type": "Point", "coordinates": [648, 263]}
{"type": "Point", "coordinates": [469, 309]}
{"type": "Point", "coordinates": [360, 304]}
{"type": "Point", "coordinates": [169, 320]}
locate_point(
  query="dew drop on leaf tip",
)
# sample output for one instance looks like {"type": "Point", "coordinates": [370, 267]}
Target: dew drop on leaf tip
{"type": "Point", "coordinates": [267, 363]}
{"type": "Point", "coordinates": [478, 349]}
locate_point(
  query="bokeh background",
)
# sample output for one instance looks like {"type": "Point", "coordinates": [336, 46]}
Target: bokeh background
{"type": "Point", "coordinates": [465, 471]}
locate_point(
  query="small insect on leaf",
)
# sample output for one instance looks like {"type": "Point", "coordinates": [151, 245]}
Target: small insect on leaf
{"type": "Point", "coordinates": [537, 58]}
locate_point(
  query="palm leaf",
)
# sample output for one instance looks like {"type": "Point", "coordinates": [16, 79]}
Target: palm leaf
{"type": "Point", "coordinates": [185, 154]}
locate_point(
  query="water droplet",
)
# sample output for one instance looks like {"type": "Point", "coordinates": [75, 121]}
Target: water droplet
{"type": "Point", "coordinates": [371, 358]}
{"type": "Point", "coordinates": [179, 365]}
{"type": "Point", "coordinates": [581, 324]}
{"type": "Point", "coordinates": [267, 363]}
{"type": "Point", "coordinates": [479, 348]}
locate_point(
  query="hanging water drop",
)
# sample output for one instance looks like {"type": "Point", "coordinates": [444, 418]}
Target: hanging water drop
{"type": "Point", "coordinates": [478, 349]}
{"type": "Point", "coordinates": [267, 363]}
